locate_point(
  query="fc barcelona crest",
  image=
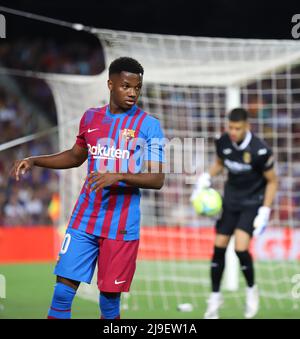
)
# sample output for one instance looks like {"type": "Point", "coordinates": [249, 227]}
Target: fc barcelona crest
{"type": "Point", "coordinates": [247, 157]}
{"type": "Point", "coordinates": [128, 133]}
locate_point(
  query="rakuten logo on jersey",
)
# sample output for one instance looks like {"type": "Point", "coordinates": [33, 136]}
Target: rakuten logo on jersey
{"type": "Point", "coordinates": [105, 152]}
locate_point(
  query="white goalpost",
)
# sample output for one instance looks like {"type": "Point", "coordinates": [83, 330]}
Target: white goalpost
{"type": "Point", "coordinates": [231, 272]}
{"type": "Point", "coordinates": [189, 84]}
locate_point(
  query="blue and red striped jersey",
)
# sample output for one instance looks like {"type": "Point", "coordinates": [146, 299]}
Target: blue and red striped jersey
{"type": "Point", "coordinates": [115, 143]}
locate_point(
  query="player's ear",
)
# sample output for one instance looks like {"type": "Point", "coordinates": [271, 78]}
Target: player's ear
{"type": "Point", "coordinates": [109, 84]}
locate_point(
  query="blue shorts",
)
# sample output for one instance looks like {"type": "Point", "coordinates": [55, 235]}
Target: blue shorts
{"type": "Point", "coordinates": [78, 256]}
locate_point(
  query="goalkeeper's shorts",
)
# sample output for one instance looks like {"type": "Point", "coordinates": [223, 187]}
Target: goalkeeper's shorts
{"type": "Point", "coordinates": [80, 252]}
{"type": "Point", "coordinates": [242, 219]}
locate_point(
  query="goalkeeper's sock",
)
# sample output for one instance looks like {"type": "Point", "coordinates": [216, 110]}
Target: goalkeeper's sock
{"type": "Point", "coordinates": [61, 302]}
{"type": "Point", "coordinates": [246, 266]}
{"type": "Point", "coordinates": [217, 267]}
{"type": "Point", "coordinates": [110, 305]}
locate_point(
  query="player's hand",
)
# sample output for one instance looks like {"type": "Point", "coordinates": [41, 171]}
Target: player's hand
{"type": "Point", "coordinates": [21, 167]}
{"type": "Point", "coordinates": [204, 181]}
{"type": "Point", "coordinates": [261, 220]}
{"type": "Point", "coordinates": [98, 180]}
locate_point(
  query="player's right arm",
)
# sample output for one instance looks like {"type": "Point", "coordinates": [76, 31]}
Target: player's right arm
{"type": "Point", "coordinates": [70, 158]}
{"type": "Point", "coordinates": [204, 180]}
{"type": "Point", "coordinates": [216, 168]}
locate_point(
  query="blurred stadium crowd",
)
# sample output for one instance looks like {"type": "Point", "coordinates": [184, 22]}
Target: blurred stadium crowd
{"type": "Point", "coordinates": [27, 202]}
{"type": "Point", "coordinates": [49, 56]}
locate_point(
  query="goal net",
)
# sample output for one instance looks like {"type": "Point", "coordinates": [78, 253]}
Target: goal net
{"type": "Point", "coordinates": [189, 84]}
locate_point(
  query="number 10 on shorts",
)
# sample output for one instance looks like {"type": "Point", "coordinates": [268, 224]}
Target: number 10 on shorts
{"type": "Point", "coordinates": [65, 244]}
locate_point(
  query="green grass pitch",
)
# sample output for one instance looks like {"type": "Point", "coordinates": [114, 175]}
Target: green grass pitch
{"type": "Point", "coordinates": [29, 290]}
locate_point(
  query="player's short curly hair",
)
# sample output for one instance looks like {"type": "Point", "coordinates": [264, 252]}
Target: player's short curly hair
{"type": "Point", "coordinates": [125, 64]}
{"type": "Point", "coordinates": [238, 114]}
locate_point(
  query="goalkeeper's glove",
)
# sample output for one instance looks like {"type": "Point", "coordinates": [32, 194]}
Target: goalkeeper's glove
{"type": "Point", "coordinates": [204, 181]}
{"type": "Point", "coordinates": [261, 220]}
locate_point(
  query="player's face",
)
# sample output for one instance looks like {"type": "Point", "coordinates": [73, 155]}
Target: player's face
{"type": "Point", "coordinates": [125, 89]}
{"type": "Point", "coordinates": [237, 130]}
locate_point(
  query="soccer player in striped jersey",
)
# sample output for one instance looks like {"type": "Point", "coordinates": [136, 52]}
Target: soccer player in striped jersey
{"type": "Point", "coordinates": [125, 152]}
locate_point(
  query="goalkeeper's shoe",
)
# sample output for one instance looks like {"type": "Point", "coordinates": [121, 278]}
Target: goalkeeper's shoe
{"type": "Point", "coordinates": [214, 302]}
{"type": "Point", "coordinates": [252, 302]}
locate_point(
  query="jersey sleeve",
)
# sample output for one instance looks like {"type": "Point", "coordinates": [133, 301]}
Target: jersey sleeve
{"type": "Point", "coordinates": [155, 143]}
{"type": "Point", "coordinates": [266, 159]}
{"type": "Point", "coordinates": [80, 138]}
{"type": "Point", "coordinates": [218, 143]}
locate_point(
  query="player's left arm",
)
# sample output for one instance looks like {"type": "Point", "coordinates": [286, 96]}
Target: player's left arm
{"type": "Point", "coordinates": [264, 212]}
{"type": "Point", "coordinates": [271, 187]}
{"type": "Point", "coordinates": [153, 179]}
{"type": "Point", "coordinates": [152, 174]}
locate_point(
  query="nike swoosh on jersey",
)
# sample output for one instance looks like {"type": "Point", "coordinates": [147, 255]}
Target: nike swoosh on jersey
{"type": "Point", "coordinates": [92, 130]}
{"type": "Point", "coordinates": [119, 282]}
